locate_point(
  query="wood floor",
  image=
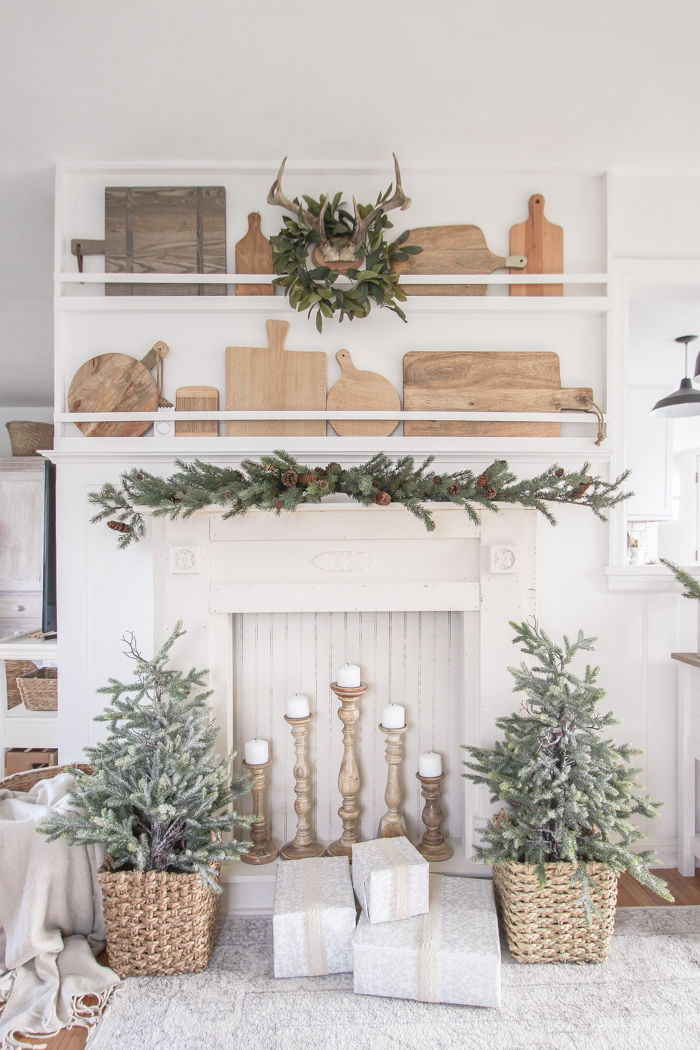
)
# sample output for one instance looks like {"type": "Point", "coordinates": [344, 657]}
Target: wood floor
{"type": "Point", "coordinates": [629, 895]}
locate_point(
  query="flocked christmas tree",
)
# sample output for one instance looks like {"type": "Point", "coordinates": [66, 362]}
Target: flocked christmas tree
{"type": "Point", "coordinates": [159, 798]}
{"type": "Point", "coordinates": [568, 791]}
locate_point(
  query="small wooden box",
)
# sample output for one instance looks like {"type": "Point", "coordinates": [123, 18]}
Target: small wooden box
{"type": "Point", "coordinates": [23, 759]}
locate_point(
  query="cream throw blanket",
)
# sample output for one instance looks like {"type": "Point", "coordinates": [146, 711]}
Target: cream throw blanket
{"type": "Point", "coordinates": [51, 924]}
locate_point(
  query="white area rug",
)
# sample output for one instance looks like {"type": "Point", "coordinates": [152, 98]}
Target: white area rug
{"type": "Point", "coordinates": [646, 997]}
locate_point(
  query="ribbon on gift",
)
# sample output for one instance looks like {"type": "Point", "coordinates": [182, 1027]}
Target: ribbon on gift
{"type": "Point", "coordinates": [400, 905]}
{"type": "Point", "coordinates": [430, 945]}
{"type": "Point", "coordinates": [312, 896]}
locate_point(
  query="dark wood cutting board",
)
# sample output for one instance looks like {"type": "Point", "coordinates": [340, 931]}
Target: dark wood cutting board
{"type": "Point", "coordinates": [488, 381]}
{"type": "Point", "coordinates": [162, 229]}
{"type": "Point", "coordinates": [451, 249]}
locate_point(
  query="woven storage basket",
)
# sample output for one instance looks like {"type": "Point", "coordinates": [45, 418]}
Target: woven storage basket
{"type": "Point", "coordinates": [26, 437]}
{"type": "Point", "coordinates": [547, 925]}
{"type": "Point", "coordinates": [14, 669]}
{"type": "Point", "coordinates": [26, 781]}
{"type": "Point", "coordinates": [158, 922]}
{"type": "Point", "coordinates": [39, 689]}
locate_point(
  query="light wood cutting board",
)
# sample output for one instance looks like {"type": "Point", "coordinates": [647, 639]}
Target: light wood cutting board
{"type": "Point", "coordinates": [116, 383]}
{"type": "Point", "coordinates": [489, 381]}
{"type": "Point", "coordinates": [451, 249]}
{"type": "Point", "coordinates": [275, 379]}
{"type": "Point", "coordinates": [543, 244]}
{"type": "Point", "coordinates": [254, 255]}
{"type": "Point", "coordinates": [195, 399]}
{"type": "Point", "coordinates": [362, 391]}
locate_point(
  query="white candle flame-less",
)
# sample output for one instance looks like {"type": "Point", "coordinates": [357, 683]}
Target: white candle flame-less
{"type": "Point", "coordinates": [393, 716]}
{"type": "Point", "coordinates": [298, 707]}
{"type": "Point", "coordinates": [430, 764]}
{"type": "Point", "coordinates": [257, 752]}
{"type": "Point", "coordinates": [349, 676]}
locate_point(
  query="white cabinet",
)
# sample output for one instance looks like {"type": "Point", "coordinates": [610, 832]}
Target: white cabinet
{"type": "Point", "coordinates": [21, 543]}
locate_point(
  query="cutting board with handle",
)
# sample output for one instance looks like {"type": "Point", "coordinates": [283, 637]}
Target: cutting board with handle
{"type": "Point", "coordinates": [452, 249]}
{"type": "Point", "coordinates": [275, 379]}
{"type": "Point", "coordinates": [543, 244]}
{"type": "Point", "coordinates": [488, 381]}
{"type": "Point", "coordinates": [161, 229]}
{"type": "Point", "coordinates": [116, 383]}
{"type": "Point", "coordinates": [196, 399]}
{"type": "Point", "coordinates": [362, 391]}
{"type": "Point", "coordinates": [254, 255]}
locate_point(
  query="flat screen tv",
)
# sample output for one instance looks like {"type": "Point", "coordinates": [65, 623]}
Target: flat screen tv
{"type": "Point", "coordinates": [49, 622]}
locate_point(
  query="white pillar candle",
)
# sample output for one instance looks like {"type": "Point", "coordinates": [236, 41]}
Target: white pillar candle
{"type": "Point", "coordinates": [393, 716]}
{"type": "Point", "coordinates": [430, 764]}
{"type": "Point", "coordinates": [298, 707]}
{"type": "Point", "coordinates": [349, 676]}
{"type": "Point", "coordinates": [257, 752]}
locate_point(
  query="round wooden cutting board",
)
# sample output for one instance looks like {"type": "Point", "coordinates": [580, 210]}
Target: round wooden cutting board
{"type": "Point", "coordinates": [113, 383]}
{"type": "Point", "coordinates": [364, 391]}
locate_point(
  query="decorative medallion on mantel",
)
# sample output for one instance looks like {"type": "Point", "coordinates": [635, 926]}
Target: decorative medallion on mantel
{"type": "Point", "coordinates": [344, 561]}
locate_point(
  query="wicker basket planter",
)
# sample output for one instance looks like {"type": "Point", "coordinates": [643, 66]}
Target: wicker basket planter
{"type": "Point", "coordinates": [39, 689]}
{"type": "Point", "coordinates": [26, 781]}
{"type": "Point", "coordinates": [546, 925]}
{"type": "Point", "coordinates": [158, 922]}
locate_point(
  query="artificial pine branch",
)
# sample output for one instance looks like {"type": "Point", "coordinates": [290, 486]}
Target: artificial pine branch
{"type": "Point", "coordinates": [278, 482]}
{"type": "Point", "coordinates": [159, 798]}
{"type": "Point", "coordinates": [692, 586]}
{"type": "Point", "coordinates": [568, 793]}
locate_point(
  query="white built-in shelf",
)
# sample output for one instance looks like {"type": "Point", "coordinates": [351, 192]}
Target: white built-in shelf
{"type": "Point", "coordinates": [645, 577]}
{"type": "Point", "coordinates": [19, 727]}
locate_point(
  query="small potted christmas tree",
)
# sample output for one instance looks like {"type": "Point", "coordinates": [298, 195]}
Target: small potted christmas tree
{"type": "Point", "coordinates": [160, 801]}
{"type": "Point", "coordinates": [564, 834]}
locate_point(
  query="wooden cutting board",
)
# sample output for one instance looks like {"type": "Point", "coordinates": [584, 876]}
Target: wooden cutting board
{"type": "Point", "coordinates": [194, 399]}
{"type": "Point", "coordinates": [362, 391]}
{"type": "Point", "coordinates": [543, 244]}
{"type": "Point", "coordinates": [452, 249]}
{"type": "Point", "coordinates": [275, 379]}
{"type": "Point", "coordinates": [162, 229]}
{"type": "Point", "coordinates": [116, 383]}
{"type": "Point", "coordinates": [490, 381]}
{"type": "Point", "coordinates": [254, 255]}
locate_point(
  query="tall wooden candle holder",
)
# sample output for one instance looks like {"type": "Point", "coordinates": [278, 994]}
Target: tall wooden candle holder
{"type": "Point", "coordinates": [392, 825]}
{"type": "Point", "coordinates": [433, 845]}
{"type": "Point", "coordinates": [263, 850]}
{"type": "Point", "coordinates": [349, 776]}
{"type": "Point", "coordinates": [303, 844]}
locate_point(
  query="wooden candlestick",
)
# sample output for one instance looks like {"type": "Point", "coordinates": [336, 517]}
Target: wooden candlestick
{"type": "Point", "coordinates": [303, 844]}
{"type": "Point", "coordinates": [392, 823]}
{"type": "Point", "coordinates": [433, 845]}
{"type": "Point", "coordinates": [349, 776]}
{"type": "Point", "coordinates": [263, 850]}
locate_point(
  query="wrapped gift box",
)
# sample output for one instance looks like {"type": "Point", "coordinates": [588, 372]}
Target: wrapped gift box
{"type": "Point", "coordinates": [314, 917]}
{"type": "Point", "coordinates": [390, 879]}
{"type": "Point", "coordinates": [450, 955]}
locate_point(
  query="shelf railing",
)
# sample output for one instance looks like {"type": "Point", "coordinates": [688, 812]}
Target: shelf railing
{"type": "Point", "coordinates": [268, 415]}
{"type": "Point", "coordinates": [256, 278]}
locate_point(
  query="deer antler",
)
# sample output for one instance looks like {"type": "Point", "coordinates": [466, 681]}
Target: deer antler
{"type": "Point", "coordinates": [316, 222]}
{"type": "Point", "coordinates": [399, 200]}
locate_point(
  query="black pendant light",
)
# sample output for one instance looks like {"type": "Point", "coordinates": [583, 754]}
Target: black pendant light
{"type": "Point", "coordinates": [686, 400]}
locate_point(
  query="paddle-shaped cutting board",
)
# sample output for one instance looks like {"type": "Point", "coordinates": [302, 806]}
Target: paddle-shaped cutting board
{"type": "Point", "coordinates": [489, 381]}
{"type": "Point", "coordinates": [362, 391]}
{"type": "Point", "coordinates": [254, 255]}
{"type": "Point", "coordinates": [116, 383]}
{"type": "Point", "coordinates": [275, 379]}
{"type": "Point", "coordinates": [543, 244]}
{"type": "Point", "coordinates": [451, 249]}
{"type": "Point", "coordinates": [194, 399]}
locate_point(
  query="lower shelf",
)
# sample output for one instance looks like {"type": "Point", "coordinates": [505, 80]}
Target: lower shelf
{"type": "Point", "coordinates": [31, 728]}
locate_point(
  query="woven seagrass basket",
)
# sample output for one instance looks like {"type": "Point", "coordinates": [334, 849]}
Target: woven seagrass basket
{"type": "Point", "coordinates": [547, 925]}
{"type": "Point", "coordinates": [39, 689]}
{"type": "Point", "coordinates": [26, 436]}
{"type": "Point", "coordinates": [158, 922]}
{"type": "Point", "coordinates": [13, 670]}
{"type": "Point", "coordinates": [26, 781]}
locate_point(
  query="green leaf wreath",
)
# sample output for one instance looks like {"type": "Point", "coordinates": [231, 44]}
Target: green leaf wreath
{"type": "Point", "coordinates": [328, 224]}
{"type": "Point", "coordinates": [278, 482]}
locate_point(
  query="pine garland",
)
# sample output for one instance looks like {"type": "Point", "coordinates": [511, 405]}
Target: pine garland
{"type": "Point", "coordinates": [278, 482]}
{"type": "Point", "coordinates": [158, 798]}
{"type": "Point", "coordinates": [569, 793]}
{"type": "Point", "coordinates": [692, 586]}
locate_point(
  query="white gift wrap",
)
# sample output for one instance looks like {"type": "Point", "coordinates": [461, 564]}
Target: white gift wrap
{"type": "Point", "coordinates": [390, 879]}
{"type": "Point", "coordinates": [314, 917]}
{"type": "Point", "coordinates": [450, 955]}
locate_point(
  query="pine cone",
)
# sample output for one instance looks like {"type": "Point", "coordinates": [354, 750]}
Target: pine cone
{"type": "Point", "coordinates": [382, 499]}
{"type": "Point", "coordinates": [278, 504]}
{"type": "Point", "coordinates": [437, 480]}
{"type": "Point", "coordinates": [226, 494]}
{"type": "Point", "coordinates": [376, 484]}
{"type": "Point", "coordinates": [453, 489]}
{"type": "Point", "coordinates": [119, 526]}
{"type": "Point", "coordinates": [490, 492]}
{"type": "Point", "coordinates": [323, 485]}
{"type": "Point", "coordinates": [482, 481]}
{"type": "Point", "coordinates": [559, 473]}
{"type": "Point", "coordinates": [577, 493]}
{"type": "Point", "coordinates": [289, 477]}
{"type": "Point", "coordinates": [269, 468]}
{"type": "Point", "coordinates": [320, 471]}
{"type": "Point", "coordinates": [139, 477]}
{"type": "Point", "coordinates": [307, 479]}
{"type": "Point", "coordinates": [332, 466]}
{"type": "Point", "coordinates": [174, 499]}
